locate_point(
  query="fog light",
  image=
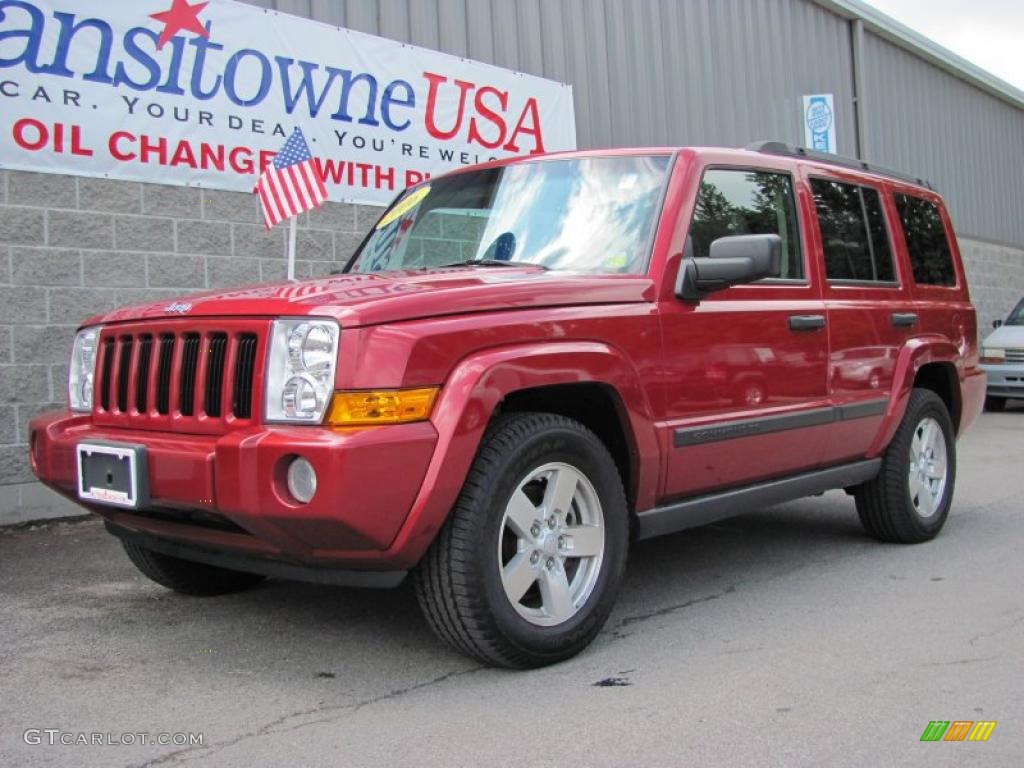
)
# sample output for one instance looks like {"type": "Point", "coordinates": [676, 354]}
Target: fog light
{"type": "Point", "coordinates": [301, 480]}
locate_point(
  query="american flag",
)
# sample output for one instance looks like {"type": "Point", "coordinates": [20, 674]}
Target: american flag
{"type": "Point", "coordinates": [291, 184]}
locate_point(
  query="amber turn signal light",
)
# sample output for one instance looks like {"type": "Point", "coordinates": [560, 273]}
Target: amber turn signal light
{"type": "Point", "coordinates": [391, 406]}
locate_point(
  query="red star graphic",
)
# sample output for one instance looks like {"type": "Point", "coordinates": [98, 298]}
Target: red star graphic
{"type": "Point", "coordinates": [180, 16]}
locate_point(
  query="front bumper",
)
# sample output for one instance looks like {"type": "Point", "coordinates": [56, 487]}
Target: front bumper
{"type": "Point", "coordinates": [1005, 380]}
{"type": "Point", "coordinates": [227, 494]}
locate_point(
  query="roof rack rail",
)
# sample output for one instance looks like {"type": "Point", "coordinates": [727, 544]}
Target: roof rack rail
{"type": "Point", "coordinates": [788, 150]}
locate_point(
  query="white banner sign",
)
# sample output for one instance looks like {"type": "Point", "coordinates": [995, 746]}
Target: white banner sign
{"type": "Point", "coordinates": [180, 92]}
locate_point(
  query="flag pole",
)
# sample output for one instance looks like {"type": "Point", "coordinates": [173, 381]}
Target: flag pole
{"type": "Point", "coordinates": [291, 247]}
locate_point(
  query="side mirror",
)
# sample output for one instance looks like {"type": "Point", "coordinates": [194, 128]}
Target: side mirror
{"type": "Point", "coordinates": [997, 323]}
{"type": "Point", "coordinates": [731, 261]}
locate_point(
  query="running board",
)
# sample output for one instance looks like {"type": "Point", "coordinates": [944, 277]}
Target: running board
{"type": "Point", "coordinates": [702, 510]}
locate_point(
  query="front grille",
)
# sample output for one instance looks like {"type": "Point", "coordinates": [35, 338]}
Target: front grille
{"type": "Point", "coordinates": [1015, 355]}
{"type": "Point", "coordinates": [175, 377]}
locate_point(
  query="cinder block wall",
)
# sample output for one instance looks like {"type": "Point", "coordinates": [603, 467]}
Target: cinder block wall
{"type": "Point", "coordinates": [995, 274]}
{"type": "Point", "coordinates": [72, 247]}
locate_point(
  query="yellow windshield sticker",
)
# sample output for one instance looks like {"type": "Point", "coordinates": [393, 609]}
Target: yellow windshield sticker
{"type": "Point", "coordinates": [616, 261]}
{"type": "Point", "coordinates": [403, 206]}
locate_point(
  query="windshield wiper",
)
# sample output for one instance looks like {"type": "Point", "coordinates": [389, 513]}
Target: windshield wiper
{"type": "Point", "coordinates": [492, 263]}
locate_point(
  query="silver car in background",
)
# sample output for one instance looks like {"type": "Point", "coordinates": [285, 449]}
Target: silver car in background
{"type": "Point", "coordinates": [1002, 358]}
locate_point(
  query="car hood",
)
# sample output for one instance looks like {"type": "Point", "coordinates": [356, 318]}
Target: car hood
{"type": "Point", "coordinates": [1004, 336]}
{"type": "Point", "coordinates": [370, 299]}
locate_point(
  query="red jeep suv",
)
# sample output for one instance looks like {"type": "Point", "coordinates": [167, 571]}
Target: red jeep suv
{"type": "Point", "coordinates": [525, 366]}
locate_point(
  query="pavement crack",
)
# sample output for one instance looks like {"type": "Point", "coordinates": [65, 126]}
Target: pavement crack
{"type": "Point", "coordinates": [673, 608]}
{"type": "Point", "coordinates": [731, 651]}
{"type": "Point", "coordinates": [280, 724]}
{"type": "Point", "coordinates": [995, 632]}
{"type": "Point", "coordinates": [394, 694]}
{"type": "Point", "coordinates": [957, 662]}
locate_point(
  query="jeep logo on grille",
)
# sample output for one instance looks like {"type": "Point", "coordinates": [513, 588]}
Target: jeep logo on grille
{"type": "Point", "coordinates": [180, 307]}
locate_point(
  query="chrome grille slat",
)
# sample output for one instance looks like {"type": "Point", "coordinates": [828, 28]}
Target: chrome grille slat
{"type": "Point", "coordinates": [1015, 355]}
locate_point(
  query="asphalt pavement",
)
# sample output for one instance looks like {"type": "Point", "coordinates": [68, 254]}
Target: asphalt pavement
{"type": "Point", "coordinates": [782, 638]}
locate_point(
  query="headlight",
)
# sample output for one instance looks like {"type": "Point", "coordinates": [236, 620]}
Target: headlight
{"type": "Point", "coordinates": [993, 355]}
{"type": "Point", "coordinates": [300, 369]}
{"type": "Point", "coordinates": [83, 369]}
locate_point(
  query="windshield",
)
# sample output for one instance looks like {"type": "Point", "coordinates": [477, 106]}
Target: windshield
{"type": "Point", "coordinates": [1017, 316]}
{"type": "Point", "coordinates": [593, 214]}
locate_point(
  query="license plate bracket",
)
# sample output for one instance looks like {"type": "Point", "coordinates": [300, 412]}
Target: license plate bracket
{"type": "Point", "coordinates": [113, 473]}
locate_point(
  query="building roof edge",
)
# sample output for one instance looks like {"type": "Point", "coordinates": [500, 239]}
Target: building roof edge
{"type": "Point", "coordinates": [906, 38]}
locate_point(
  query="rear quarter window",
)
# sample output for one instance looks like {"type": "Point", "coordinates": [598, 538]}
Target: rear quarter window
{"type": "Point", "coordinates": [931, 258]}
{"type": "Point", "coordinates": [854, 236]}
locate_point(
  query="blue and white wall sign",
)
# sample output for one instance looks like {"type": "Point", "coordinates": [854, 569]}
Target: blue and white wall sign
{"type": "Point", "coordinates": [819, 122]}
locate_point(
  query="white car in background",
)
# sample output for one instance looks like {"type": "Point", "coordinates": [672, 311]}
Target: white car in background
{"type": "Point", "coordinates": [1002, 358]}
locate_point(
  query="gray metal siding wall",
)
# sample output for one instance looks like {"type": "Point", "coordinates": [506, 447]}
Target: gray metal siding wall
{"type": "Point", "coordinates": [969, 143]}
{"type": "Point", "coordinates": [723, 72]}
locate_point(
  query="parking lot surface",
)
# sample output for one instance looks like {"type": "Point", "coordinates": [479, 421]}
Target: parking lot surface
{"type": "Point", "coordinates": [782, 638]}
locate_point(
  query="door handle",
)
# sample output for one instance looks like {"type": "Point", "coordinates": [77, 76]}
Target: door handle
{"type": "Point", "coordinates": [806, 322]}
{"type": "Point", "coordinates": [903, 319]}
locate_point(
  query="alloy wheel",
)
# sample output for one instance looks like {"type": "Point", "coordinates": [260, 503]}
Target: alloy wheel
{"type": "Point", "coordinates": [551, 544]}
{"type": "Point", "coordinates": [928, 467]}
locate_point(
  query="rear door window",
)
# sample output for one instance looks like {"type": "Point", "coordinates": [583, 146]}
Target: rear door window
{"type": "Point", "coordinates": [854, 236]}
{"type": "Point", "coordinates": [746, 202]}
{"type": "Point", "coordinates": [930, 256]}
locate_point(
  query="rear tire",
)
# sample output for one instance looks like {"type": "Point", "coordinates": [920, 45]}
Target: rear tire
{"type": "Point", "coordinates": [909, 500]}
{"type": "Point", "coordinates": [995, 404]}
{"type": "Point", "coordinates": [527, 567]}
{"type": "Point", "coordinates": [187, 577]}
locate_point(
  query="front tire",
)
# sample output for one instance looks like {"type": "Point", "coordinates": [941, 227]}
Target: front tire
{"type": "Point", "coordinates": [909, 500]}
{"type": "Point", "coordinates": [187, 577]}
{"type": "Point", "coordinates": [527, 568]}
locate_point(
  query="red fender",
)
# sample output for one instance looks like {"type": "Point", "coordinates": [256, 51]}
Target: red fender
{"type": "Point", "coordinates": [916, 353]}
{"type": "Point", "coordinates": [472, 392]}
